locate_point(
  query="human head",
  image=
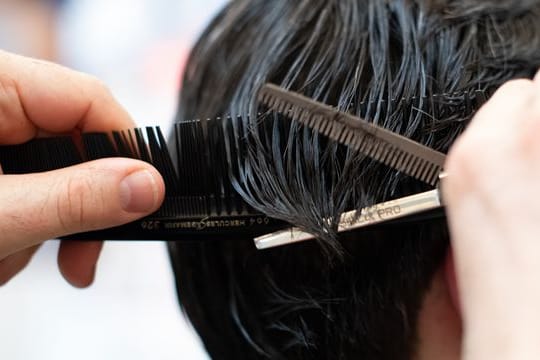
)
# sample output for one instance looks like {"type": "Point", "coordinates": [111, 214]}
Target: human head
{"type": "Point", "coordinates": [298, 301]}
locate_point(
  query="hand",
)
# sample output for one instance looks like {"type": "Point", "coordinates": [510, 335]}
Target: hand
{"type": "Point", "coordinates": [38, 98]}
{"type": "Point", "coordinates": [493, 204]}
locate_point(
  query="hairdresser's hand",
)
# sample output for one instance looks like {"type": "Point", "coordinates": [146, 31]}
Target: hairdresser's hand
{"type": "Point", "coordinates": [39, 98]}
{"type": "Point", "coordinates": [493, 198]}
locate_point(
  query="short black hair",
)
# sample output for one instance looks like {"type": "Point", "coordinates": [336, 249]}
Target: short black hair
{"type": "Point", "coordinates": [362, 56]}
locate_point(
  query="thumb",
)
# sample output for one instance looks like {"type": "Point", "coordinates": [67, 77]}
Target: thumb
{"type": "Point", "coordinates": [90, 196]}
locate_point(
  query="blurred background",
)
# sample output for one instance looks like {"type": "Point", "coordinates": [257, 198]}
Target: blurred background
{"type": "Point", "coordinates": [137, 47]}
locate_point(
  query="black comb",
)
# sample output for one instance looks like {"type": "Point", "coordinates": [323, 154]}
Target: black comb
{"type": "Point", "coordinates": [200, 200]}
{"type": "Point", "coordinates": [396, 151]}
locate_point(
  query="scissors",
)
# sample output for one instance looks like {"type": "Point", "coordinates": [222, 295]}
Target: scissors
{"type": "Point", "coordinates": [387, 147]}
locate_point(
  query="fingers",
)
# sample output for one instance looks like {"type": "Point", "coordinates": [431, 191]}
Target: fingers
{"type": "Point", "coordinates": [41, 95]}
{"type": "Point", "coordinates": [494, 168]}
{"type": "Point", "coordinates": [493, 216]}
{"type": "Point", "coordinates": [77, 261]}
{"type": "Point", "coordinates": [89, 196]}
{"type": "Point", "coordinates": [13, 264]}
{"type": "Point", "coordinates": [36, 98]}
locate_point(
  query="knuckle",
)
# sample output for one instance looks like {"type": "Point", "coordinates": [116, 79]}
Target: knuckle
{"type": "Point", "coordinates": [73, 203]}
{"type": "Point", "coordinates": [14, 125]}
{"type": "Point", "coordinates": [514, 93]}
{"type": "Point", "coordinates": [8, 89]}
{"type": "Point", "coordinates": [516, 85]}
{"type": "Point", "coordinates": [508, 101]}
{"type": "Point", "coordinates": [465, 163]}
{"type": "Point", "coordinates": [526, 128]}
{"type": "Point", "coordinates": [527, 140]}
{"type": "Point", "coordinates": [99, 86]}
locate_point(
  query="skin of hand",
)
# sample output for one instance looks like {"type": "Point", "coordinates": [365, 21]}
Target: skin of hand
{"type": "Point", "coordinates": [492, 194]}
{"type": "Point", "coordinates": [39, 98]}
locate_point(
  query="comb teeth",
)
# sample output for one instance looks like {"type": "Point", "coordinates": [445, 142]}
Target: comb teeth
{"type": "Point", "coordinates": [390, 155]}
{"type": "Point", "coordinates": [203, 164]}
{"type": "Point", "coordinates": [398, 152]}
{"type": "Point", "coordinates": [39, 155]}
{"type": "Point", "coordinates": [196, 172]}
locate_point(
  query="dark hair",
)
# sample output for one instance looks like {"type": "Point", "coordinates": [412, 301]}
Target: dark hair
{"type": "Point", "coordinates": [362, 56]}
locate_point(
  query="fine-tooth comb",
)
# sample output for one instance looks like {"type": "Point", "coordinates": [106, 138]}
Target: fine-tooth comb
{"type": "Point", "coordinates": [398, 152]}
{"type": "Point", "coordinates": [200, 201]}
{"type": "Point", "coordinates": [389, 148]}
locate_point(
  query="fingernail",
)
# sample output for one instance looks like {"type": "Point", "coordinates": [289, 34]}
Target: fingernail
{"type": "Point", "coordinates": [138, 192]}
